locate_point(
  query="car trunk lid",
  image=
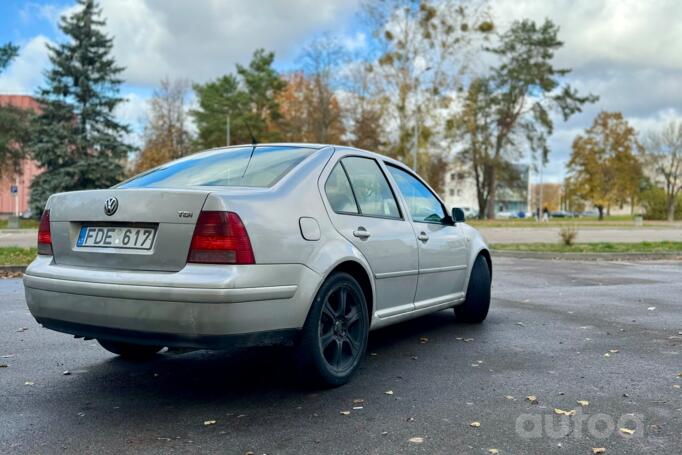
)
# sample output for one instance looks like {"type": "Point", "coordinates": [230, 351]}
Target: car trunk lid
{"type": "Point", "coordinates": [169, 214]}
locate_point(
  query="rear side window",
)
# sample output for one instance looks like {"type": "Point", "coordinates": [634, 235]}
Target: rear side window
{"type": "Point", "coordinates": [339, 192]}
{"type": "Point", "coordinates": [259, 166]}
{"type": "Point", "coordinates": [424, 207]}
{"type": "Point", "coordinates": [370, 188]}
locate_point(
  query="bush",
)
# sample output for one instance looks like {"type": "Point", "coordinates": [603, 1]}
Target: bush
{"type": "Point", "coordinates": [568, 235]}
{"type": "Point", "coordinates": [653, 201]}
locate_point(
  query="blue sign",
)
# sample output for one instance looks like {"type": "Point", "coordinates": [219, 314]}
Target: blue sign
{"type": "Point", "coordinates": [13, 189]}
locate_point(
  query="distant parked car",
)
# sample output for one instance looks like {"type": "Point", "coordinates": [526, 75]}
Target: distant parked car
{"type": "Point", "coordinates": [506, 215]}
{"type": "Point", "coordinates": [590, 213]}
{"type": "Point", "coordinates": [26, 214]}
{"type": "Point", "coordinates": [561, 214]}
{"type": "Point", "coordinates": [282, 243]}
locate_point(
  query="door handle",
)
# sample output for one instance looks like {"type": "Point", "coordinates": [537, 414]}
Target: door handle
{"type": "Point", "coordinates": [423, 236]}
{"type": "Point", "coordinates": [361, 233]}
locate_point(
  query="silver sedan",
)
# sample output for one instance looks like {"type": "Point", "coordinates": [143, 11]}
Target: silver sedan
{"type": "Point", "coordinates": [301, 244]}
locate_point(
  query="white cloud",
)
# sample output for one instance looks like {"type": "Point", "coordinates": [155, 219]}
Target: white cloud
{"type": "Point", "coordinates": [178, 38]}
{"type": "Point", "coordinates": [24, 74]}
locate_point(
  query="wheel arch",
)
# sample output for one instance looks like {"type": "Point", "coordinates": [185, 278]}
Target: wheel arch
{"type": "Point", "coordinates": [362, 276]}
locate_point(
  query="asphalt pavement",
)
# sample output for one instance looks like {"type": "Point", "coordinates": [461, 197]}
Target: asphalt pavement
{"type": "Point", "coordinates": [606, 334]}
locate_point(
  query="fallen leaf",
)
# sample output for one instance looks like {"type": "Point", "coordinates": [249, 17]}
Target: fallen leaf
{"type": "Point", "coordinates": [676, 386]}
{"type": "Point", "coordinates": [358, 401]}
{"type": "Point", "coordinates": [22, 329]}
{"type": "Point", "coordinates": [533, 399]}
{"type": "Point", "coordinates": [66, 373]}
{"type": "Point", "coordinates": [414, 357]}
{"type": "Point", "coordinates": [598, 450]}
{"type": "Point", "coordinates": [28, 383]}
{"type": "Point", "coordinates": [416, 440]}
{"type": "Point", "coordinates": [565, 413]}
{"type": "Point", "coordinates": [373, 354]}
{"type": "Point", "coordinates": [583, 403]}
{"type": "Point", "coordinates": [3, 365]}
{"type": "Point", "coordinates": [6, 356]}
{"type": "Point", "coordinates": [345, 413]}
{"type": "Point", "coordinates": [466, 340]}
{"type": "Point", "coordinates": [475, 424]}
{"type": "Point", "coordinates": [626, 430]}
{"type": "Point", "coordinates": [521, 324]}
{"type": "Point", "coordinates": [651, 308]}
{"type": "Point", "coordinates": [509, 397]}
{"type": "Point", "coordinates": [613, 351]}
{"type": "Point", "coordinates": [680, 375]}
{"type": "Point", "coordinates": [209, 422]}
{"type": "Point", "coordinates": [389, 392]}
{"type": "Point", "coordinates": [384, 433]}
{"type": "Point", "coordinates": [607, 355]}
{"type": "Point", "coordinates": [423, 340]}
{"type": "Point", "coordinates": [493, 451]}
{"type": "Point", "coordinates": [357, 408]}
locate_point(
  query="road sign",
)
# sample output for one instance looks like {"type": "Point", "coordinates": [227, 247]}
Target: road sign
{"type": "Point", "coordinates": [13, 189]}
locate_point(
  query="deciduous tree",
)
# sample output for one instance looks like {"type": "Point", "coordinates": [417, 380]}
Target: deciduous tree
{"type": "Point", "coordinates": [166, 134]}
{"type": "Point", "coordinates": [603, 168]}
{"type": "Point", "coordinates": [663, 152]}
{"type": "Point", "coordinates": [77, 138]}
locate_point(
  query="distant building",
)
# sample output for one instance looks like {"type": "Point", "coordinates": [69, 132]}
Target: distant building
{"type": "Point", "coordinates": [459, 190]}
{"type": "Point", "coordinates": [16, 203]}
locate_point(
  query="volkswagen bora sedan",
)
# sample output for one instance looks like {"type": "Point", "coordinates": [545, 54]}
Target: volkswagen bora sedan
{"type": "Point", "coordinates": [300, 244]}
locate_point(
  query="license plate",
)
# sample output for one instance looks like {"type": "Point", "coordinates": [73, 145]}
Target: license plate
{"type": "Point", "coordinates": [116, 237]}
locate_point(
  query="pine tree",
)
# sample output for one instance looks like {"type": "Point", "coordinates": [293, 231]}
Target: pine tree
{"type": "Point", "coordinates": [77, 138]}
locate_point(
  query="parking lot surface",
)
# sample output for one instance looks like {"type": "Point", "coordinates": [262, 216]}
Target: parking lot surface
{"type": "Point", "coordinates": [606, 334]}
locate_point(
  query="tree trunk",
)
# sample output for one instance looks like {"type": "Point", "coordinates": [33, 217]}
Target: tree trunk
{"type": "Point", "coordinates": [492, 184]}
{"type": "Point", "coordinates": [600, 208]}
{"type": "Point", "coordinates": [671, 207]}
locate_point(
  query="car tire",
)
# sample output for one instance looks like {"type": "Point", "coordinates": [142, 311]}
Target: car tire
{"type": "Point", "coordinates": [334, 337]}
{"type": "Point", "coordinates": [129, 350]}
{"type": "Point", "coordinates": [475, 308]}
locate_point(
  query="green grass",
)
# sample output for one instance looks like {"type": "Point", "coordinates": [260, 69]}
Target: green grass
{"type": "Point", "coordinates": [13, 255]}
{"type": "Point", "coordinates": [23, 224]}
{"type": "Point", "coordinates": [620, 221]}
{"type": "Point", "coordinates": [600, 247]}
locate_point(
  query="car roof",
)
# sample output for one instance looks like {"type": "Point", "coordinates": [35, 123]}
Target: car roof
{"type": "Point", "coordinates": [318, 147]}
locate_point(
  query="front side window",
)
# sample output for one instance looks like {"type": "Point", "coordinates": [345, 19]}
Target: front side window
{"type": "Point", "coordinates": [423, 206]}
{"type": "Point", "coordinates": [259, 166]}
{"type": "Point", "coordinates": [370, 189]}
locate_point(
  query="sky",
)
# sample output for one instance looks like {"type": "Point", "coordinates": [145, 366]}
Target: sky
{"type": "Point", "coordinates": [625, 51]}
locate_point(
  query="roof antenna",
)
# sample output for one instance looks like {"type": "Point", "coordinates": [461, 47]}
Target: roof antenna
{"type": "Point", "coordinates": [254, 141]}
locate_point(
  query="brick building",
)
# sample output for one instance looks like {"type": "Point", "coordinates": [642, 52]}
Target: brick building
{"type": "Point", "coordinates": [19, 202]}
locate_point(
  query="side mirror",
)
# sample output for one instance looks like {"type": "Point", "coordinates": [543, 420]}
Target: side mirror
{"type": "Point", "coordinates": [457, 214]}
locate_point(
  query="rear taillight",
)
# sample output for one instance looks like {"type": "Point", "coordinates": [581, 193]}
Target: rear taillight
{"type": "Point", "coordinates": [44, 235]}
{"type": "Point", "coordinates": [220, 238]}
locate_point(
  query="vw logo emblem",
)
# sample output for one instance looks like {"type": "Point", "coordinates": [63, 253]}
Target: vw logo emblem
{"type": "Point", "coordinates": [110, 206]}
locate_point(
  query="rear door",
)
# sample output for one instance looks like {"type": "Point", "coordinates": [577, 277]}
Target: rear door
{"type": "Point", "coordinates": [365, 211]}
{"type": "Point", "coordinates": [442, 248]}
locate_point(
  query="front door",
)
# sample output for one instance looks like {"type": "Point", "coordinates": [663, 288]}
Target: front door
{"type": "Point", "coordinates": [365, 211]}
{"type": "Point", "coordinates": [442, 248]}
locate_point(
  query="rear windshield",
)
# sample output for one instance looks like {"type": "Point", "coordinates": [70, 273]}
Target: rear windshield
{"type": "Point", "coordinates": [260, 166]}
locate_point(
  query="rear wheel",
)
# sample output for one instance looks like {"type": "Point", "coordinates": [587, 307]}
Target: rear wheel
{"type": "Point", "coordinates": [334, 337]}
{"type": "Point", "coordinates": [475, 307]}
{"type": "Point", "coordinates": [129, 350]}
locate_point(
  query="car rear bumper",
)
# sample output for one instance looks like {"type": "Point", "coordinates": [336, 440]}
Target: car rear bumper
{"type": "Point", "coordinates": [200, 306]}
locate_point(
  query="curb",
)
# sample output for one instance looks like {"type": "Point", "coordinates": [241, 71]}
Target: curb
{"type": "Point", "coordinates": [672, 255]}
{"type": "Point", "coordinates": [12, 269]}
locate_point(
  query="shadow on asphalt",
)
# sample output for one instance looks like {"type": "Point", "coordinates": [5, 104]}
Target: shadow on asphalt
{"type": "Point", "coordinates": [257, 373]}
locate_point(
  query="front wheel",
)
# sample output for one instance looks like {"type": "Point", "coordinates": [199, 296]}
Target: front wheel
{"type": "Point", "coordinates": [129, 350]}
{"type": "Point", "coordinates": [475, 307]}
{"type": "Point", "coordinates": [334, 337]}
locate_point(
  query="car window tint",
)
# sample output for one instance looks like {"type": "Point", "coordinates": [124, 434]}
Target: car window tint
{"type": "Point", "coordinates": [339, 192]}
{"type": "Point", "coordinates": [424, 207]}
{"type": "Point", "coordinates": [260, 166]}
{"type": "Point", "coordinates": [371, 189]}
